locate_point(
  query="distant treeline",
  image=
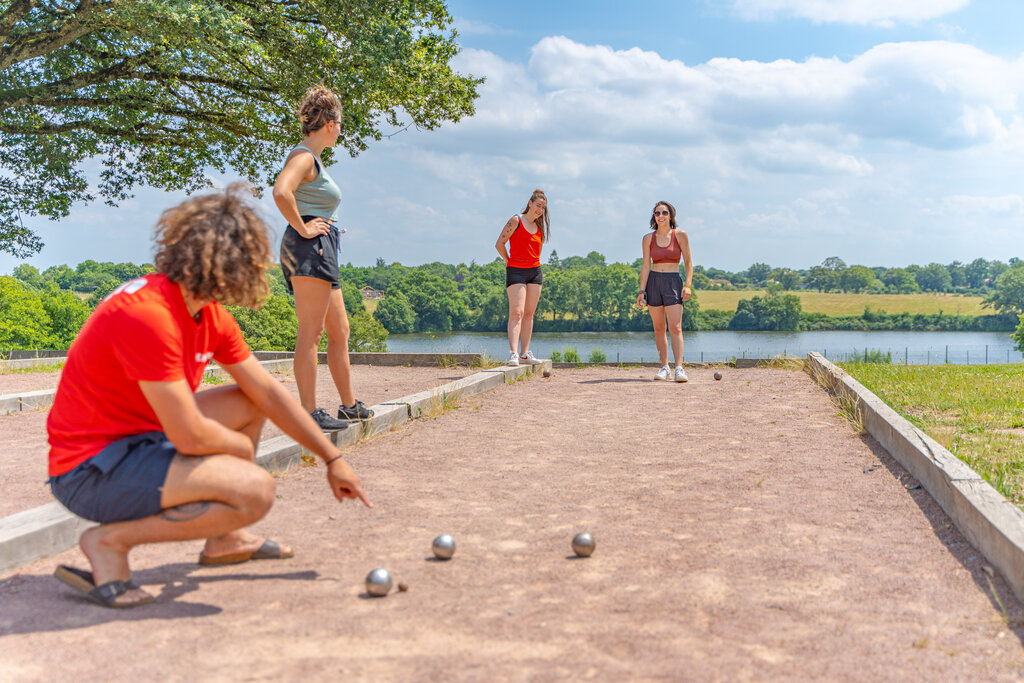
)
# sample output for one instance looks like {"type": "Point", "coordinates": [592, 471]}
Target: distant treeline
{"type": "Point", "coordinates": [581, 293]}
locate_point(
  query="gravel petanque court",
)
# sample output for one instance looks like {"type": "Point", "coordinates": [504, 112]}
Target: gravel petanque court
{"type": "Point", "coordinates": [744, 532]}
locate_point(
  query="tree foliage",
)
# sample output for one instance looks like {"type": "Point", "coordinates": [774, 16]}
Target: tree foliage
{"type": "Point", "coordinates": [160, 90]}
{"type": "Point", "coordinates": [1008, 296]}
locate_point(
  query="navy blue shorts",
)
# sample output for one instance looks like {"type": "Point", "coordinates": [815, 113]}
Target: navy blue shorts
{"type": "Point", "coordinates": [664, 289]}
{"type": "Point", "coordinates": [122, 482]}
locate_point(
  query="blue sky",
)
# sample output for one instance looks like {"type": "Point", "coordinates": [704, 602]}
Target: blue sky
{"type": "Point", "coordinates": [784, 131]}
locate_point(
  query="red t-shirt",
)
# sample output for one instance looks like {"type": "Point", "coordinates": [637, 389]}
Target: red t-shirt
{"type": "Point", "coordinates": [141, 332]}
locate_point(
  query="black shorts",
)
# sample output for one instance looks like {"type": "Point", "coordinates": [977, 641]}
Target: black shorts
{"type": "Point", "coordinates": [310, 257]}
{"type": "Point", "coordinates": [523, 276]}
{"type": "Point", "coordinates": [664, 289]}
{"type": "Point", "coordinates": [122, 482]}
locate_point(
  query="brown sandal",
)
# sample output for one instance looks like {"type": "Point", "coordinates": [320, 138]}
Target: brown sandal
{"type": "Point", "coordinates": [270, 550]}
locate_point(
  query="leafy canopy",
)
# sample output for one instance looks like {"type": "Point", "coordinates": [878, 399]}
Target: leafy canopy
{"type": "Point", "coordinates": [159, 90]}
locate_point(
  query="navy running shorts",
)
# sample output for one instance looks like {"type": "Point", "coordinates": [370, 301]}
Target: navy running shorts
{"type": "Point", "coordinates": [122, 482]}
{"type": "Point", "coordinates": [664, 289]}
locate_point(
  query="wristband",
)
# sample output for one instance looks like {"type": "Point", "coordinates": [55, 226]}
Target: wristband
{"type": "Point", "coordinates": [328, 462]}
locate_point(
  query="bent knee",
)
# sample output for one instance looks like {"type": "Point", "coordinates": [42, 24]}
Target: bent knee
{"type": "Point", "coordinates": [256, 492]}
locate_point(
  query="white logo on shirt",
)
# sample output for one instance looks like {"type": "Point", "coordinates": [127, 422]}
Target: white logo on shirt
{"type": "Point", "coordinates": [204, 357]}
{"type": "Point", "coordinates": [129, 287]}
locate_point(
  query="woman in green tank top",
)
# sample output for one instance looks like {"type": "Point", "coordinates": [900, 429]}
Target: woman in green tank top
{"type": "Point", "coordinates": [308, 199]}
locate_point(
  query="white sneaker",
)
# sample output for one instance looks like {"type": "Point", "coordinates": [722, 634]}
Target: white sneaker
{"type": "Point", "coordinates": [530, 359]}
{"type": "Point", "coordinates": [664, 372]}
{"type": "Point", "coordinates": [513, 360]}
{"type": "Point", "coordinates": [681, 374]}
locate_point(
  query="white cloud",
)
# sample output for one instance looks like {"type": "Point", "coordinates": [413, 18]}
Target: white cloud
{"type": "Point", "coordinates": [879, 12]}
{"type": "Point", "coordinates": [1003, 204]}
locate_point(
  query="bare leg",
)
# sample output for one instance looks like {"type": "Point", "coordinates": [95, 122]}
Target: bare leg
{"type": "Point", "coordinates": [516, 305]}
{"type": "Point", "coordinates": [311, 300]}
{"type": "Point", "coordinates": [337, 347]}
{"type": "Point", "coordinates": [529, 308]}
{"type": "Point", "coordinates": [658, 318]}
{"type": "Point", "coordinates": [202, 496]}
{"type": "Point", "coordinates": [233, 409]}
{"type": "Point", "coordinates": [675, 330]}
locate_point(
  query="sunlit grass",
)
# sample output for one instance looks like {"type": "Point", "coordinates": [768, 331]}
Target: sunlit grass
{"type": "Point", "coordinates": [976, 411]}
{"type": "Point", "coordinates": [50, 367]}
{"type": "Point", "coordinates": [853, 304]}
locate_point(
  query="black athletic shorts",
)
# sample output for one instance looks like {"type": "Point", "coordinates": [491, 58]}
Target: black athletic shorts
{"type": "Point", "coordinates": [310, 257]}
{"type": "Point", "coordinates": [523, 276]}
{"type": "Point", "coordinates": [664, 289]}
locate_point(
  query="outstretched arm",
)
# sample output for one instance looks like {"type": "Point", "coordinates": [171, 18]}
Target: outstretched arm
{"type": "Point", "coordinates": [274, 401]}
{"type": "Point", "coordinates": [503, 238]}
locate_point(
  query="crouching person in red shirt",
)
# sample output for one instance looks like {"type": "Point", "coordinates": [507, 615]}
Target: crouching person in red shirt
{"type": "Point", "coordinates": [133, 447]}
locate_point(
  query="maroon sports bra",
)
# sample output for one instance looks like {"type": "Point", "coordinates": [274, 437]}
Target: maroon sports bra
{"type": "Point", "coordinates": [673, 253]}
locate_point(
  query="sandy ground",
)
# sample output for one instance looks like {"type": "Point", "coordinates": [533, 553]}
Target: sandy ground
{"type": "Point", "coordinates": [744, 532]}
{"type": "Point", "coordinates": [23, 447]}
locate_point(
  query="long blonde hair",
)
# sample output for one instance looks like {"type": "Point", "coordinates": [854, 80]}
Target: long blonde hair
{"type": "Point", "coordinates": [545, 222]}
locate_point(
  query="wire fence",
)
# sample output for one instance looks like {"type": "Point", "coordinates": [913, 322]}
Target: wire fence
{"type": "Point", "coordinates": [962, 354]}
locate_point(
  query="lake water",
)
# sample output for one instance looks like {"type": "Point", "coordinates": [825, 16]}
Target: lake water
{"type": "Point", "coordinates": [916, 348]}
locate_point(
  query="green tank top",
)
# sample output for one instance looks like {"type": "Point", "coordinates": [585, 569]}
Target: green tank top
{"type": "Point", "coordinates": [320, 196]}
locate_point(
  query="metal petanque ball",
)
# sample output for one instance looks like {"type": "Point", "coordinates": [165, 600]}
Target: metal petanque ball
{"type": "Point", "coordinates": [583, 544]}
{"type": "Point", "coordinates": [547, 373]}
{"type": "Point", "coordinates": [718, 376]}
{"type": "Point", "coordinates": [378, 582]}
{"type": "Point", "coordinates": [443, 547]}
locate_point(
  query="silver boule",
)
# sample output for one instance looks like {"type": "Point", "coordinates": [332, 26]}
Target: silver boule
{"type": "Point", "coordinates": [378, 582]}
{"type": "Point", "coordinates": [583, 544]}
{"type": "Point", "coordinates": [547, 373]}
{"type": "Point", "coordinates": [718, 376]}
{"type": "Point", "coordinates": [443, 547]}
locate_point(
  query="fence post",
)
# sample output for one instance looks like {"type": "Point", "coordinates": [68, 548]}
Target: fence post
{"type": "Point", "coordinates": [947, 354]}
{"type": "Point", "coordinates": [986, 354]}
{"type": "Point", "coordinates": [906, 356]}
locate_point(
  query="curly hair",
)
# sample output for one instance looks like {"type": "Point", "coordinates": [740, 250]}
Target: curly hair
{"type": "Point", "coordinates": [671, 215]}
{"type": "Point", "coordinates": [216, 246]}
{"type": "Point", "coordinates": [319, 107]}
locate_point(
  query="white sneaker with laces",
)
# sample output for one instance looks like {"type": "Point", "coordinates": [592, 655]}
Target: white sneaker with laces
{"type": "Point", "coordinates": [513, 360]}
{"type": "Point", "coordinates": [681, 374]}
{"type": "Point", "coordinates": [530, 359]}
{"type": "Point", "coordinates": [664, 372]}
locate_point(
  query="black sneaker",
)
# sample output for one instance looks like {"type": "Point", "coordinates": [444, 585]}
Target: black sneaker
{"type": "Point", "coordinates": [327, 423]}
{"type": "Point", "coordinates": [356, 413]}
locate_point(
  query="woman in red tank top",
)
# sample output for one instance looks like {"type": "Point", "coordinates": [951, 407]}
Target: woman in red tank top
{"type": "Point", "coordinates": [524, 233]}
{"type": "Point", "coordinates": [662, 289]}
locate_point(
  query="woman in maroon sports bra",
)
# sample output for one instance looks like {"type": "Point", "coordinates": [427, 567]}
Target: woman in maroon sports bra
{"type": "Point", "coordinates": [662, 289]}
{"type": "Point", "coordinates": [524, 233]}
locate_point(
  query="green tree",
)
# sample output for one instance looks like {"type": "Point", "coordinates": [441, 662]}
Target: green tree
{"type": "Point", "coordinates": [822, 279]}
{"type": "Point", "coordinates": [553, 259]}
{"type": "Point", "coordinates": [934, 278]}
{"type": "Point", "coordinates": [767, 313]}
{"type": "Point", "coordinates": [786, 277]}
{"type": "Point", "coordinates": [67, 314]}
{"type": "Point", "coordinates": [271, 327]}
{"type": "Point", "coordinates": [438, 305]}
{"type": "Point", "coordinates": [158, 91]}
{"type": "Point", "coordinates": [366, 334]}
{"type": "Point", "coordinates": [395, 313]}
{"type": "Point", "coordinates": [1008, 296]}
{"type": "Point", "coordinates": [856, 278]}
{"type": "Point", "coordinates": [900, 280]}
{"type": "Point", "coordinates": [29, 276]}
{"type": "Point", "coordinates": [24, 323]}
{"type": "Point", "coordinates": [976, 272]}
{"type": "Point", "coordinates": [759, 272]}
{"type": "Point", "coordinates": [353, 298]}
{"type": "Point", "coordinates": [1018, 335]}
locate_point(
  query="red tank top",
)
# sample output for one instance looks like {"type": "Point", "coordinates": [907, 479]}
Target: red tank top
{"type": "Point", "coordinates": [670, 254]}
{"type": "Point", "coordinates": [524, 248]}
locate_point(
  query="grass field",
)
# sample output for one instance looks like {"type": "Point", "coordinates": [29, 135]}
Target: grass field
{"type": "Point", "coordinates": [853, 304]}
{"type": "Point", "coordinates": [977, 412]}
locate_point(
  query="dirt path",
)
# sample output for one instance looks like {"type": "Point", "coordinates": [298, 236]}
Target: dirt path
{"type": "Point", "coordinates": [23, 446]}
{"type": "Point", "coordinates": [744, 532]}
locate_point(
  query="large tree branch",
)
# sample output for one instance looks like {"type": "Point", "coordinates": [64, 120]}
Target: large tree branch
{"type": "Point", "coordinates": [54, 35]}
{"type": "Point", "coordinates": [17, 12]}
